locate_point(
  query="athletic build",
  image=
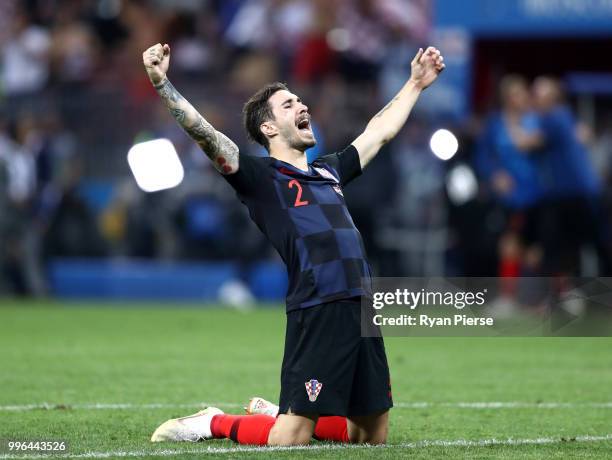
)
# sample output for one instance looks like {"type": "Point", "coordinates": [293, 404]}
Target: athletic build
{"type": "Point", "coordinates": [335, 384]}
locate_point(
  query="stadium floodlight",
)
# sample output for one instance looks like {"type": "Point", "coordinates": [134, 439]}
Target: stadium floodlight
{"type": "Point", "coordinates": [444, 144]}
{"type": "Point", "coordinates": [155, 165]}
{"type": "Point", "coordinates": [461, 184]}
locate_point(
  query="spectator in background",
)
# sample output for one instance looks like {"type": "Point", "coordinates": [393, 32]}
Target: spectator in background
{"type": "Point", "coordinates": [365, 38]}
{"type": "Point", "coordinates": [17, 190]}
{"type": "Point", "coordinates": [573, 217]}
{"type": "Point", "coordinates": [248, 26]}
{"type": "Point", "coordinates": [25, 57]}
{"type": "Point", "coordinates": [71, 230]}
{"type": "Point", "coordinates": [602, 152]}
{"type": "Point", "coordinates": [313, 57]}
{"type": "Point", "coordinates": [510, 173]}
{"type": "Point", "coordinates": [602, 159]}
{"type": "Point", "coordinates": [74, 47]}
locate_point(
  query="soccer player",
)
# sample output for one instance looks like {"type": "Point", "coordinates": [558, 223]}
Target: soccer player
{"type": "Point", "coordinates": [335, 383]}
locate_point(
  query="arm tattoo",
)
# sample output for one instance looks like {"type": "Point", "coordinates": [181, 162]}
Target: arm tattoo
{"type": "Point", "coordinates": [178, 114]}
{"type": "Point", "coordinates": [217, 146]}
{"type": "Point", "coordinates": [167, 91]}
{"type": "Point", "coordinates": [384, 109]}
{"type": "Point", "coordinates": [204, 134]}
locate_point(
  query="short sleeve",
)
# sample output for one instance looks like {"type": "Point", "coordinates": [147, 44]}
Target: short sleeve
{"type": "Point", "coordinates": [345, 162]}
{"type": "Point", "coordinates": [247, 181]}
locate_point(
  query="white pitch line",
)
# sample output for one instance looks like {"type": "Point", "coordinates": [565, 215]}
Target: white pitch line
{"type": "Point", "coordinates": [506, 405]}
{"type": "Point", "coordinates": [523, 405]}
{"type": "Point", "coordinates": [96, 406]}
{"type": "Point", "coordinates": [400, 405]}
{"type": "Point", "coordinates": [320, 447]}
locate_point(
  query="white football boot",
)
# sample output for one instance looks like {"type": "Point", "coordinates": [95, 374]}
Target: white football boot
{"type": "Point", "coordinates": [259, 405]}
{"type": "Point", "coordinates": [192, 428]}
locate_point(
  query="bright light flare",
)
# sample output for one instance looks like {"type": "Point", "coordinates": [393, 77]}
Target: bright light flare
{"type": "Point", "coordinates": [444, 144]}
{"type": "Point", "coordinates": [155, 165]}
{"type": "Point", "coordinates": [461, 184]}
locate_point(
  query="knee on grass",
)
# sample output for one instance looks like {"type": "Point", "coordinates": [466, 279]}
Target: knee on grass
{"type": "Point", "coordinates": [371, 429]}
{"type": "Point", "coordinates": [297, 438]}
{"type": "Point", "coordinates": [291, 430]}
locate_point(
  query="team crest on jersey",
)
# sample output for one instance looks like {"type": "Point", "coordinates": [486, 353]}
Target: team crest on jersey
{"type": "Point", "coordinates": [313, 388]}
{"type": "Point", "coordinates": [325, 173]}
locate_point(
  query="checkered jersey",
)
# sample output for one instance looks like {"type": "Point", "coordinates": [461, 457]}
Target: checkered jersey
{"type": "Point", "coordinates": [304, 215]}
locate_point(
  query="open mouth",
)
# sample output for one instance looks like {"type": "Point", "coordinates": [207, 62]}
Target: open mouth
{"type": "Point", "coordinates": [304, 125]}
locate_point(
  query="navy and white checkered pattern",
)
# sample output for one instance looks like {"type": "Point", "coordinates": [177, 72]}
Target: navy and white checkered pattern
{"type": "Point", "coordinates": [329, 246]}
{"type": "Point", "coordinates": [304, 215]}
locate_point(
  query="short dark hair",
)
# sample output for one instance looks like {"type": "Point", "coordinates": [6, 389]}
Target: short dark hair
{"type": "Point", "coordinates": [257, 110]}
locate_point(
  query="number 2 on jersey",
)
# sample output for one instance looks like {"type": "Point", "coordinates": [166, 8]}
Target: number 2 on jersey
{"type": "Point", "coordinates": [298, 198]}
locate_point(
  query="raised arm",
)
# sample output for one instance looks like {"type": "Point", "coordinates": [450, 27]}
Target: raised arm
{"type": "Point", "coordinates": [216, 145]}
{"type": "Point", "coordinates": [385, 125]}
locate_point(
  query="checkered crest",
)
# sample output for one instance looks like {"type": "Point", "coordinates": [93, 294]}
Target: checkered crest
{"type": "Point", "coordinates": [325, 173]}
{"type": "Point", "coordinates": [313, 388]}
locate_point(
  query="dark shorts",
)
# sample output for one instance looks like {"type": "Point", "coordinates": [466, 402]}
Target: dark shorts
{"type": "Point", "coordinates": [328, 368]}
{"type": "Point", "coordinates": [526, 224]}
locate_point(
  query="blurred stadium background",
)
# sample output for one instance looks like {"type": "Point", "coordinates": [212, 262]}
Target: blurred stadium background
{"type": "Point", "coordinates": [87, 257]}
{"type": "Point", "coordinates": [75, 98]}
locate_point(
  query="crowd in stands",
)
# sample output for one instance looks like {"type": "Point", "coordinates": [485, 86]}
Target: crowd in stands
{"type": "Point", "coordinates": [74, 98]}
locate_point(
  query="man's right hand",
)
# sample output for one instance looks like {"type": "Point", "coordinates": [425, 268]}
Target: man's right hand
{"type": "Point", "coordinates": [217, 146]}
{"type": "Point", "coordinates": [156, 61]}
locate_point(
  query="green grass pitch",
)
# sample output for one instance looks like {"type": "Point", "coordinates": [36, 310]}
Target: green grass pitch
{"type": "Point", "coordinates": [83, 360]}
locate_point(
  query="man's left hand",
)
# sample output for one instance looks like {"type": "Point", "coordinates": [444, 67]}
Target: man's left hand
{"type": "Point", "coordinates": [426, 66]}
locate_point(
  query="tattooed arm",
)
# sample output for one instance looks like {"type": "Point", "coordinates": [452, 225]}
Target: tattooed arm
{"type": "Point", "coordinates": [385, 125]}
{"type": "Point", "coordinates": [217, 146]}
